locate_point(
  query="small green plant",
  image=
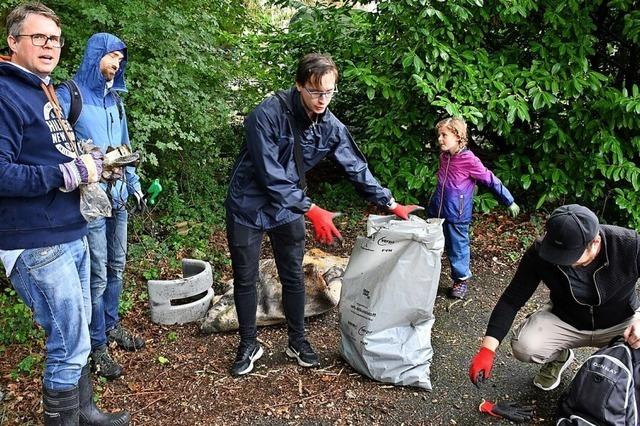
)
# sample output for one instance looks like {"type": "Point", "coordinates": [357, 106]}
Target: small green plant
{"type": "Point", "coordinates": [172, 336]}
{"type": "Point", "coordinates": [27, 366]}
{"type": "Point", "coordinates": [151, 274]}
{"type": "Point", "coordinates": [126, 302]}
{"type": "Point", "coordinates": [16, 323]}
{"type": "Point", "coordinates": [99, 388]}
{"type": "Point", "coordinates": [162, 360]}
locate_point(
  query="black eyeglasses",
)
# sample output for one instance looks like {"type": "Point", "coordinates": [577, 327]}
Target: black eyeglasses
{"type": "Point", "coordinates": [41, 39]}
{"type": "Point", "coordinates": [316, 94]}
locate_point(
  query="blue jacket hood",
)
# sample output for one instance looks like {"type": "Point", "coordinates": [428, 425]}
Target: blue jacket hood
{"type": "Point", "coordinates": [89, 73]}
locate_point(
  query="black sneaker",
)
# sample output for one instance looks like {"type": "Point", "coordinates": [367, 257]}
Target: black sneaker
{"type": "Point", "coordinates": [248, 352]}
{"type": "Point", "coordinates": [104, 365]}
{"type": "Point", "coordinates": [124, 338]}
{"type": "Point", "coordinates": [303, 353]}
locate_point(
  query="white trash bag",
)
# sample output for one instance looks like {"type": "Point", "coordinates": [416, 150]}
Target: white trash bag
{"type": "Point", "coordinates": [386, 303]}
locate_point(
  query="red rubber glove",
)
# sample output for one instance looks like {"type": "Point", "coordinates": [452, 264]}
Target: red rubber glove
{"type": "Point", "coordinates": [322, 221]}
{"type": "Point", "coordinates": [481, 365]}
{"type": "Point", "coordinates": [507, 410]}
{"type": "Point", "coordinates": [403, 211]}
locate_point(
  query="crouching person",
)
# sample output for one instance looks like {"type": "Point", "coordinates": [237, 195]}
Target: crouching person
{"type": "Point", "coordinates": [591, 272]}
{"type": "Point", "coordinates": [43, 244]}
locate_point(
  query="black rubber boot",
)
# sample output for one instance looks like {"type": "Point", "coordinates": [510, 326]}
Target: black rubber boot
{"type": "Point", "coordinates": [60, 407]}
{"type": "Point", "coordinates": [90, 414]}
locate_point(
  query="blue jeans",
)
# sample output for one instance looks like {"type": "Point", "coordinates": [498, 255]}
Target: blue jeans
{"type": "Point", "coordinates": [287, 242]}
{"type": "Point", "coordinates": [456, 239]}
{"type": "Point", "coordinates": [54, 283]}
{"type": "Point", "coordinates": [108, 246]}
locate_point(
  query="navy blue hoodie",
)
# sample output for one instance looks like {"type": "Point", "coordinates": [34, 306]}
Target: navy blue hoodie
{"type": "Point", "coordinates": [33, 211]}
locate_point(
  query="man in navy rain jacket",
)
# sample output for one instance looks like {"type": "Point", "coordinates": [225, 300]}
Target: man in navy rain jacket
{"type": "Point", "coordinates": [102, 119]}
{"type": "Point", "coordinates": [266, 195]}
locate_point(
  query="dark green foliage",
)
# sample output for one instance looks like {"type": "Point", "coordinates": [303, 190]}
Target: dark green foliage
{"type": "Point", "coordinates": [185, 63]}
{"type": "Point", "coordinates": [185, 73]}
{"type": "Point", "coordinates": [549, 88]}
{"type": "Point", "coordinates": [16, 322]}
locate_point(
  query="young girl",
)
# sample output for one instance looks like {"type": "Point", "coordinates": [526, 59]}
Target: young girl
{"type": "Point", "coordinates": [452, 200]}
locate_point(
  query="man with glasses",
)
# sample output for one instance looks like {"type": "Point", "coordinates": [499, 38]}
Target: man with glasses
{"type": "Point", "coordinates": [102, 119]}
{"type": "Point", "coordinates": [286, 136]}
{"type": "Point", "coordinates": [43, 244]}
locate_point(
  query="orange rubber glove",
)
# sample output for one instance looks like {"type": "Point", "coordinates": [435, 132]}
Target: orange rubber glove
{"type": "Point", "coordinates": [322, 221]}
{"type": "Point", "coordinates": [403, 211]}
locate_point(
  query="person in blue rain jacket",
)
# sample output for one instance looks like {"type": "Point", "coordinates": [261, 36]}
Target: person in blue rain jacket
{"type": "Point", "coordinates": [100, 77]}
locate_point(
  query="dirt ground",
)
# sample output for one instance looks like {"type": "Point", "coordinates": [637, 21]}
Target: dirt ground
{"type": "Point", "coordinates": [181, 376]}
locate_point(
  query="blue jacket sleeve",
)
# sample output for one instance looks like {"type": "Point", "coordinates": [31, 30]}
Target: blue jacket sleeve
{"type": "Point", "coordinates": [480, 173]}
{"type": "Point", "coordinates": [21, 180]}
{"type": "Point", "coordinates": [263, 150]}
{"type": "Point", "coordinates": [133, 180]}
{"type": "Point", "coordinates": [354, 164]}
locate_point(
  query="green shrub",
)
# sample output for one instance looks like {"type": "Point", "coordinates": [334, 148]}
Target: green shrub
{"type": "Point", "coordinates": [16, 322]}
{"type": "Point", "coordinates": [549, 89]}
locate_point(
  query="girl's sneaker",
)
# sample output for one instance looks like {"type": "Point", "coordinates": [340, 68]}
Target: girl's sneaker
{"type": "Point", "coordinates": [459, 290]}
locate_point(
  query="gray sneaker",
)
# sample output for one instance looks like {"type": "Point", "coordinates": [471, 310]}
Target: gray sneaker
{"type": "Point", "coordinates": [104, 365]}
{"type": "Point", "coordinates": [550, 373]}
{"type": "Point", "coordinates": [125, 339]}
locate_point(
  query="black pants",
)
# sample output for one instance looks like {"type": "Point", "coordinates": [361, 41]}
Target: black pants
{"type": "Point", "coordinates": [287, 242]}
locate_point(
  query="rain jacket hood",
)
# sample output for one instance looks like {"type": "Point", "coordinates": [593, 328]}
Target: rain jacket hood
{"type": "Point", "coordinates": [89, 74]}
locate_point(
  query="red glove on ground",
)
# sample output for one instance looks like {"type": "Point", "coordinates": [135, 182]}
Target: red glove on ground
{"type": "Point", "coordinates": [481, 364]}
{"type": "Point", "coordinates": [507, 410]}
{"type": "Point", "coordinates": [403, 211]}
{"type": "Point", "coordinates": [322, 221]}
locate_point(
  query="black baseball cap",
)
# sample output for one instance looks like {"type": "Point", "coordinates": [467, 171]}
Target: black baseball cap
{"type": "Point", "coordinates": [570, 229]}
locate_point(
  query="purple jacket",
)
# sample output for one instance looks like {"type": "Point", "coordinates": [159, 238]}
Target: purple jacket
{"type": "Point", "coordinates": [457, 177]}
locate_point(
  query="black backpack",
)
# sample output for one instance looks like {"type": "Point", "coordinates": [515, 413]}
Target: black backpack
{"type": "Point", "coordinates": [603, 391]}
{"type": "Point", "coordinates": [75, 109]}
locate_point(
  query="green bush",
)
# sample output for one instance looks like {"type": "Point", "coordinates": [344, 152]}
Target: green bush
{"type": "Point", "coordinates": [549, 89]}
{"type": "Point", "coordinates": [16, 322]}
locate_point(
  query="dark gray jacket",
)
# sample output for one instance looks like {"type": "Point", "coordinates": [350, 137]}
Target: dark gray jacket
{"type": "Point", "coordinates": [615, 286]}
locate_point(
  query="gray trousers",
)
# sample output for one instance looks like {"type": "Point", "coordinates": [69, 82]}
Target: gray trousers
{"type": "Point", "coordinates": [542, 336]}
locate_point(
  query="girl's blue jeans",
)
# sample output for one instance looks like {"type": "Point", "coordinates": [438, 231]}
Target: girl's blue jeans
{"type": "Point", "coordinates": [457, 244]}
